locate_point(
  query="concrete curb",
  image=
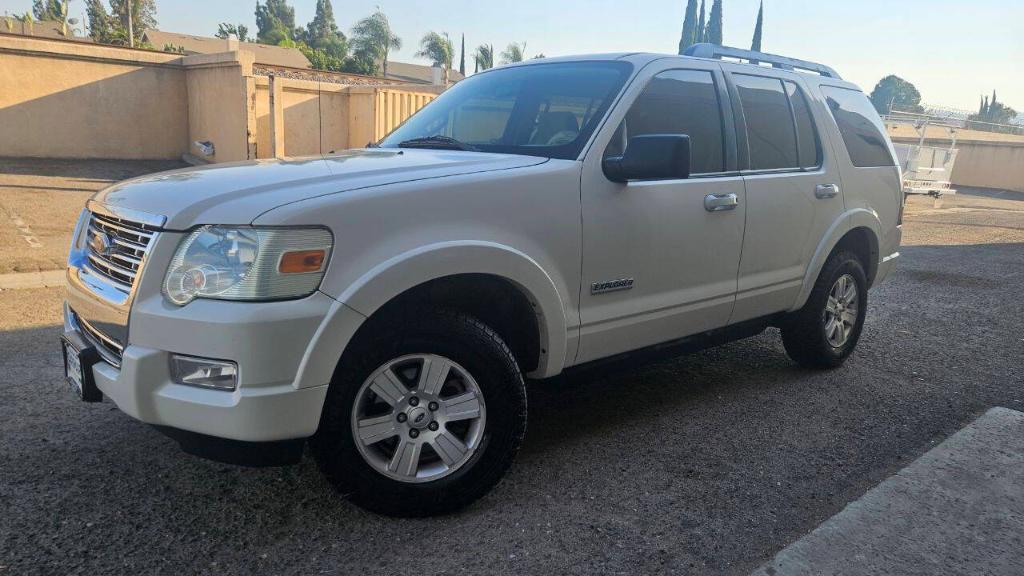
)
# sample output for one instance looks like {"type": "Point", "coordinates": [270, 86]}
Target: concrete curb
{"type": "Point", "coordinates": [23, 280]}
{"type": "Point", "coordinates": [958, 509]}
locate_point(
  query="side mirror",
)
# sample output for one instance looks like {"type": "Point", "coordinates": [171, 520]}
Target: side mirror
{"type": "Point", "coordinates": [651, 157]}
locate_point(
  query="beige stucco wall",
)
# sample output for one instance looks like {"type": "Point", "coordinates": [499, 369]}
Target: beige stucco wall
{"type": "Point", "coordinates": [77, 100]}
{"type": "Point", "coordinates": [990, 165]}
{"type": "Point", "coordinates": [315, 117]}
{"type": "Point", "coordinates": [218, 103]}
{"type": "Point", "coordinates": [74, 100]}
{"type": "Point", "coordinates": [906, 132]}
{"type": "Point", "coordinates": [984, 160]}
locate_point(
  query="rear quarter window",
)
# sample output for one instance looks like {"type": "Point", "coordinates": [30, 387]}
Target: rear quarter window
{"type": "Point", "coordinates": [860, 127]}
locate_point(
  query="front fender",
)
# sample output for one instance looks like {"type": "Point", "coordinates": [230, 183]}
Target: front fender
{"type": "Point", "coordinates": [396, 275]}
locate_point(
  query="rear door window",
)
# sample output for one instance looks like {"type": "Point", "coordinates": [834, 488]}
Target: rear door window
{"type": "Point", "coordinates": [860, 126]}
{"type": "Point", "coordinates": [771, 136]}
{"type": "Point", "coordinates": [808, 143]}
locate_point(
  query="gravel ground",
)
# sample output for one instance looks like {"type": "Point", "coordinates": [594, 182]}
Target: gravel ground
{"type": "Point", "coordinates": [704, 464]}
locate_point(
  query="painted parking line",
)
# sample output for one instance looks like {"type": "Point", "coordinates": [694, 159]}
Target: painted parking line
{"type": "Point", "coordinates": [24, 229]}
{"type": "Point", "coordinates": [959, 509]}
{"type": "Point", "coordinates": [24, 280]}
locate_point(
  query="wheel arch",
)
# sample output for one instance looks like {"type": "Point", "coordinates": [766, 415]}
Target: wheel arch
{"type": "Point", "coordinates": [457, 275]}
{"type": "Point", "coordinates": [856, 230]}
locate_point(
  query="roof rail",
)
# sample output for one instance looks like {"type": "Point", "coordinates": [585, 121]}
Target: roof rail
{"type": "Point", "coordinates": [706, 50]}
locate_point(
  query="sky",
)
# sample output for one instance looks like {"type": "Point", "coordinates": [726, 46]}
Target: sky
{"type": "Point", "coordinates": [953, 51]}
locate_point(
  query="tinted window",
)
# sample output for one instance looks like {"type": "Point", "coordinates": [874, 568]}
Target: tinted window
{"type": "Point", "coordinates": [678, 102]}
{"type": "Point", "coordinates": [771, 138]}
{"type": "Point", "coordinates": [860, 126]}
{"type": "Point", "coordinates": [808, 144]}
{"type": "Point", "coordinates": [541, 110]}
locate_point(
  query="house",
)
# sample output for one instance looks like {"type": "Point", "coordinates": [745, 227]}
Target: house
{"type": "Point", "coordinates": [281, 56]}
{"type": "Point", "coordinates": [40, 29]}
{"type": "Point", "coordinates": [417, 73]}
{"type": "Point", "coordinates": [265, 54]}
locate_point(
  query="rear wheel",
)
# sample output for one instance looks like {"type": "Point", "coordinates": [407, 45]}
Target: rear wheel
{"type": "Point", "coordinates": [423, 417]}
{"type": "Point", "coordinates": [826, 330]}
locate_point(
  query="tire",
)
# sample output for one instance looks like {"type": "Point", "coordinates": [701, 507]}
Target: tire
{"type": "Point", "coordinates": [402, 347]}
{"type": "Point", "coordinates": [807, 335]}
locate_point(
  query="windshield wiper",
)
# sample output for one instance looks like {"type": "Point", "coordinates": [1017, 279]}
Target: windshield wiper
{"type": "Point", "coordinates": [437, 141]}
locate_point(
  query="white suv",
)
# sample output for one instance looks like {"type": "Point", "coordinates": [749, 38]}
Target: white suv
{"type": "Point", "coordinates": [386, 303]}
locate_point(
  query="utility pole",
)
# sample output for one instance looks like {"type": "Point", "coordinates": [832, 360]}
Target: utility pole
{"type": "Point", "coordinates": [131, 27]}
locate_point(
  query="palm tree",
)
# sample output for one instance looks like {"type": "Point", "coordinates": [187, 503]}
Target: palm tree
{"type": "Point", "coordinates": [373, 36]}
{"type": "Point", "coordinates": [29, 22]}
{"type": "Point", "coordinates": [484, 57]}
{"type": "Point", "coordinates": [437, 48]}
{"type": "Point", "coordinates": [64, 20]}
{"type": "Point", "coordinates": [514, 53]}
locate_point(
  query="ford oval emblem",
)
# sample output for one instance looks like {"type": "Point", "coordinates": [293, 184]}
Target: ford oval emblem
{"type": "Point", "coordinates": [101, 243]}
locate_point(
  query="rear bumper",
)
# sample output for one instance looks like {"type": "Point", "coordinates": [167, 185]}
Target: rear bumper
{"type": "Point", "coordinates": [885, 267]}
{"type": "Point", "coordinates": [889, 255]}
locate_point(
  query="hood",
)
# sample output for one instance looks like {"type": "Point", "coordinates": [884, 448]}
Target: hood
{"type": "Point", "coordinates": [237, 193]}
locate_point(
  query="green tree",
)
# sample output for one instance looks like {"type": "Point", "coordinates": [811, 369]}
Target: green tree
{"type": "Point", "coordinates": [515, 52]}
{"type": "Point", "coordinates": [702, 30]}
{"type": "Point", "coordinates": [484, 57]}
{"type": "Point", "coordinates": [101, 24]}
{"type": "Point", "coordinates": [438, 49]}
{"type": "Point", "coordinates": [135, 15]}
{"type": "Point", "coordinates": [462, 57]}
{"type": "Point", "coordinates": [715, 23]}
{"type": "Point", "coordinates": [361, 62]}
{"type": "Point", "coordinates": [689, 34]}
{"type": "Point", "coordinates": [46, 9]}
{"type": "Point", "coordinates": [275, 21]}
{"type": "Point", "coordinates": [993, 112]}
{"type": "Point", "coordinates": [322, 32]}
{"type": "Point", "coordinates": [894, 92]}
{"type": "Point", "coordinates": [240, 31]}
{"type": "Point", "coordinates": [755, 44]}
{"type": "Point", "coordinates": [373, 40]}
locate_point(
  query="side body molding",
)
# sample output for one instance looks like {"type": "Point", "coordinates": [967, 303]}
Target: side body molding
{"type": "Point", "coordinates": [855, 218]}
{"type": "Point", "coordinates": [396, 275]}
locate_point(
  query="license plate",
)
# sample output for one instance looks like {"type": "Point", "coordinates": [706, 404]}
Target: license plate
{"type": "Point", "coordinates": [79, 359]}
{"type": "Point", "coordinates": [73, 369]}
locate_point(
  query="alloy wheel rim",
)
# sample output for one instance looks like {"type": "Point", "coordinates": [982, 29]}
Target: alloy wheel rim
{"type": "Point", "coordinates": [418, 418]}
{"type": "Point", "coordinates": [841, 311]}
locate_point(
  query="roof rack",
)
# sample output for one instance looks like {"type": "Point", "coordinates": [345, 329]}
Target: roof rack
{"type": "Point", "coordinates": [706, 50]}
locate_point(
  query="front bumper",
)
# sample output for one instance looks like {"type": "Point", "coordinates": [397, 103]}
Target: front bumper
{"type": "Point", "coordinates": [267, 340]}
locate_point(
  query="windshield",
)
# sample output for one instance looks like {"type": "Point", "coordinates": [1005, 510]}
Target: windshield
{"type": "Point", "coordinates": [539, 110]}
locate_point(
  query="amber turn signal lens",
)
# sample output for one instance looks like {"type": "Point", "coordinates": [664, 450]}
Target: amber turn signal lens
{"type": "Point", "coordinates": [301, 261]}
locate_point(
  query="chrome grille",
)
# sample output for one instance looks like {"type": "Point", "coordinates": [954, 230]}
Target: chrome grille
{"type": "Point", "coordinates": [116, 248]}
{"type": "Point", "coordinates": [107, 347]}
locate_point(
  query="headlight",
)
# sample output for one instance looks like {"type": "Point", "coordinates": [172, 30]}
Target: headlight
{"type": "Point", "coordinates": [247, 263]}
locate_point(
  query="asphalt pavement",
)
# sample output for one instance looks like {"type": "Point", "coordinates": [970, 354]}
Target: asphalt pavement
{"type": "Point", "coordinates": [709, 463]}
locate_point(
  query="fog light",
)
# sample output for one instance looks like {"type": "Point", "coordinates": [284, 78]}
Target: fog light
{"type": "Point", "coordinates": [205, 373]}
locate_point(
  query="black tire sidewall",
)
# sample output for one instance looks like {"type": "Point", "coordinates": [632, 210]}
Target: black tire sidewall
{"type": "Point", "coordinates": [481, 353]}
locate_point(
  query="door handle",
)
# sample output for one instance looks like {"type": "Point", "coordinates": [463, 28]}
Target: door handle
{"type": "Point", "coordinates": [826, 191]}
{"type": "Point", "coordinates": [719, 202]}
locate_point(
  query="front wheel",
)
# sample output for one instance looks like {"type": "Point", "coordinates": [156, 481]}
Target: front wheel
{"type": "Point", "coordinates": [825, 331]}
{"type": "Point", "coordinates": [423, 416]}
